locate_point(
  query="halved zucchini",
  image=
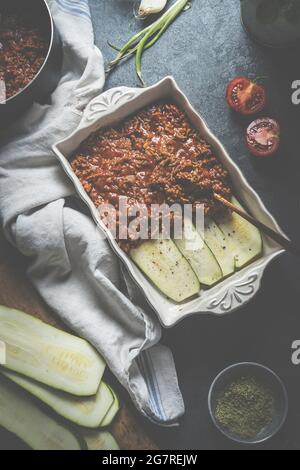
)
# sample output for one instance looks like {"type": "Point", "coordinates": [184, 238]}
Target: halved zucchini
{"type": "Point", "coordinates": [164, 265]}
{"type": "Point", "coordinates": [245, 239]}
{"type": "Point", "coordinates": [219, 244]}
{"type": "Point", "coordinates": [22, 417]}
{"type": "Point", "coordinates": [200, 257]}
{"type": "Point", "coordinates": [49, 355]}
{"type": "Point", "coordinates": [85, 411]}
{"type": "Point", "coordinates": [98, 440]}
{"type": "Point", "coordinates": [112, 412]}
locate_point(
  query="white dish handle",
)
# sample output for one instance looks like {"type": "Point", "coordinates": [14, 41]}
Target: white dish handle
{"type": "Point", "coordinates": [107, 103]}
{"type": "Point", "coordinates": [237, 293]}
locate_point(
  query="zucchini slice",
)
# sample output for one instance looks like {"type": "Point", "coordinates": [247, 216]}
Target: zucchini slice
{"type": "Point", "coordinates": [97, 440]}
{"type": "Point", "coordinates": [22, 417]}
{"type": "Point", "coordinates": [161, 261]}
{"type": "Point", "coordinates": [219, 244]}
{"type": "Point", "coordinates": [49, 355]}
{"type": "Point", "coordinates": [112, 412]}
{"type": "Point", "coordinates": [85, 411]}
{"type": "Point", "coordinates": [200, 257]}
{"type": "Point", "coordinates": [245, 240]}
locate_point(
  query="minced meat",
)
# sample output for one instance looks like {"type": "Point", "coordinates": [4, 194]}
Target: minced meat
{"type": "Point", "coordinates": [23, 49]}
{"type": "Point", "coordinates": [154, 157]}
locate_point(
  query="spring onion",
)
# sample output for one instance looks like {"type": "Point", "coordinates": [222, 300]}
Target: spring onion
{"type": "Point", "coordinates": [147, 38]}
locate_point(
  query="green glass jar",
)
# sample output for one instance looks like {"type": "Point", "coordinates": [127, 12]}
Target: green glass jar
{"type": "Point", "coordinates": [273, 23]}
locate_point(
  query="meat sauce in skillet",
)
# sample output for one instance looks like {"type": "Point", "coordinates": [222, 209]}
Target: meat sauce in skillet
{"type": "Point", "coordinates": [23, 49]}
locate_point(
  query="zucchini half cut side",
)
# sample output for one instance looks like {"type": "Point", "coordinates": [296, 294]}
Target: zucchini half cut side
{"type": "Point", "coordinates": [245, 240]}
{"type": "Point", "coordinates": [49, 355]}
{"type": "Point", "coordinates": [85, 411]}
{"type": "Point", "coordinates": [99, 440]}
{"type": "Point", "coordinates": [200, 257]}
{"type": "Point", "coordinates": [112, 412]}
{"type": "Point", "coordinates": [22, 417]}
{"type": "Point", "coordinates": [161, 261]}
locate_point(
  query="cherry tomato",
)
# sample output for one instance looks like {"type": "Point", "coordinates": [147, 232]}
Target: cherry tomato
{"type": "Point", "coordinates": [263, 137]}
{"type": "Point", "coordinates": [245, 96]}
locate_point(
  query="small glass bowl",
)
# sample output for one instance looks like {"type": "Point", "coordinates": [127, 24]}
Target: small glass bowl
{"type": "Point", "coordinates": [263, 375]}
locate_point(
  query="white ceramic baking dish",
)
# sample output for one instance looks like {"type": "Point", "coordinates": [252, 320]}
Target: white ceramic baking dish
{"type": "Point", "coordinates": [114, 106]}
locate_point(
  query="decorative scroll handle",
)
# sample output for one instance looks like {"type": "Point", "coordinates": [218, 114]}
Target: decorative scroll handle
{"type": "Point", "coordinates": [108, 102]}
{"type": "Point", "coordinates": [237, 294]}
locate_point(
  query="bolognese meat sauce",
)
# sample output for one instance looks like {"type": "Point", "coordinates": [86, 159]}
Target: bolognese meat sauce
{"type": "Point", "coordinates": [154, 157]}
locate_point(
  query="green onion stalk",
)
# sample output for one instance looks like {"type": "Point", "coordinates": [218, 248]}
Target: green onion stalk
{"type": "Point", "coordinates": [147, 38]}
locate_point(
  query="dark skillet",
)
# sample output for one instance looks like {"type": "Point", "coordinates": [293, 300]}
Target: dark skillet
{"type": "Point", "coordinates": [46, 80]}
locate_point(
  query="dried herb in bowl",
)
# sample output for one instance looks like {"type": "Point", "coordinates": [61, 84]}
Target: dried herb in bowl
{"type": "Point", "coordinates": [245, 408]}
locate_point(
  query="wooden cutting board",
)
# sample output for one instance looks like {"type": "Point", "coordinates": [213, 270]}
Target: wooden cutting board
{"type": "Point", "coordinates": [17, 292]}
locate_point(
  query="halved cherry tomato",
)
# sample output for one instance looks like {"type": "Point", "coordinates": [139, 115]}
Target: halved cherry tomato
{"type": "Point", "coordinates": [263, 137]}
{"type": "Point", "coordinates": [245, 96]}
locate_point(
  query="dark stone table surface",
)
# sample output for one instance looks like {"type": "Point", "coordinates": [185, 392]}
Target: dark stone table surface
{"type": "Point", "coordinates": [203, 50]}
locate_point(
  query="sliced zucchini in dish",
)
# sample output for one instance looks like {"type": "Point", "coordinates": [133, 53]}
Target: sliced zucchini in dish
{"type": "Point", "coordinates": [219, 244]}
{"type": "Point", "coordinates": [85, 411]}
{"type": "Point", "coordinates": [97, 440]}
{"type": "Point", "coordinates": [245, 240]}
{"type": "Point", "coordinates": [161, 261]}
{"type": "Point", "coordinates": [49, 355]}
{"type": "Point", "coordinates": [112, 412]}
{"type": "Point", "coordinates": [22, 417]}
{"type": "Point", "coordinates": [200, 257]}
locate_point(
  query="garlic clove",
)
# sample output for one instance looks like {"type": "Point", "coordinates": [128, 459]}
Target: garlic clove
{"type": "Point", "coordinates": [150, 7]}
